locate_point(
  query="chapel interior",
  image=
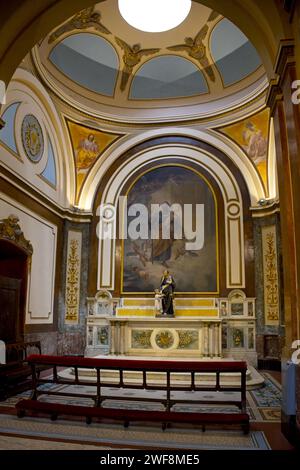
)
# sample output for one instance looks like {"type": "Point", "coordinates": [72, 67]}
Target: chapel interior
{"type": "Point", "coordinates": [97, 116]}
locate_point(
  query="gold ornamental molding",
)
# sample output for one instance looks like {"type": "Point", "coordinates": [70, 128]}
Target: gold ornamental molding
{"type": "Point", "coordinates": [11, 231]}
{"type": "Point", "coordinates": [270, 273]}
{"type": "Point", "coordinates": [85, 19]}
{"type": "Point", "coordinates": [72, 295]}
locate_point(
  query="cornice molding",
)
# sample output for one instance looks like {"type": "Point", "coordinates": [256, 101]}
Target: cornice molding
{"type": "Point", "coordinates": [285, 58]}
{"type": "Point", "coordinates": [272, 207]}
{"type": "Point", "coordinates": [73, 215]}
{"type": "Point", "coordinates": [274, 95]}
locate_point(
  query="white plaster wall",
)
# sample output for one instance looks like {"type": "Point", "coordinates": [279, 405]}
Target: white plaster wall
{"type": "Point", "coordinates": [43, 237]}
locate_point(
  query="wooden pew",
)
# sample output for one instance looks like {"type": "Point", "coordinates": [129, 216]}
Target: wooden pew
{"type": "Point", "coordinates": [192, 369]}
{"type": "Point", "coordinates": [15, 375]}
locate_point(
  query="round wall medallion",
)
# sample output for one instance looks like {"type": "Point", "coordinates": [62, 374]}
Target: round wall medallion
{"type": "Point", "coordinates": [233, 209]}
{"type": "Point", "coordinates": [164, 339]}
{"type": "Point", "coordinates": [32, 138]}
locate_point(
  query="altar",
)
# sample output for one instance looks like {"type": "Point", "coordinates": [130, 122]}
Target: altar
{"type": "Point", "coordinates": [195, 330]}
{"type": "Point", "coordinates": [210, 328]}
{"type": "Point", "coordinates": [174, 337]}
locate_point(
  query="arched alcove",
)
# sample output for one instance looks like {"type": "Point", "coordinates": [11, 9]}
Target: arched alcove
{"type": "Point", "coordinates": [15, 261]}
{"type": "Point", "coordinates": [176, 191]}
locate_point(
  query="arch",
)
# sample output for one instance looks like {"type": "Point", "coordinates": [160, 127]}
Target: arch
{"type": "Point", "coordinates": [238, 58]}
{"type": "Point", "coordinates": [167, 184]}
{"type": "Point", "coordinates": [89, 60]}
{"type": "Point", "coordinates": [49, 172]}
{"type": "Point", "coordinates": [217, 141]}
{"type": "Point", "coordinates": [15, 264]}
{"type": "Point", "coordinates": [7, 134]}
{"type": "Point", "coordinates": [186, 156]}
{"type": "Point", "coordinates": [25, 23]}
{"type": "Point", "coordinates": [167, 76]}
{"type": "Point", "coordinates": [33, 97]}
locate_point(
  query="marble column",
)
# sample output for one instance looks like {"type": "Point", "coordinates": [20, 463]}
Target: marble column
{"type": "Point", "coordinates": [201, 340]}
{"type": "Point", "coordinates": [211, 340]}
{"type": "Point", "coordinates": [216, 340]}
{"type": "Point", "coordinates": [122, 337]}
{"type": "Point", "coordinates": [112, 345]}
{"type": "Point", "coordinates": [206, 340]}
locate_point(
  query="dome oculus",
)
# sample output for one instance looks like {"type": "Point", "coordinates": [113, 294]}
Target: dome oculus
{"type": "Point", "coordinates": [154, 16]}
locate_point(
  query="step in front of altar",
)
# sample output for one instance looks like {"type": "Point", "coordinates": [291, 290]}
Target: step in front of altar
{"type": "Point", "coordinates": [253, 378]}
{"type": "Point", "coordinates": [183, 307]}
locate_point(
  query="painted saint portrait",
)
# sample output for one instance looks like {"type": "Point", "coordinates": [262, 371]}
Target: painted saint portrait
{"type": "Point", "coordinates": [87, 152]}
{"type": "Point", "coordinates": [88, 145]}
{"type": "Point", "coordinates": [256, 146]}
{"type": "Point", "coordinates": [144, 260]}
{"type": "Point", "coordinates": [252, 135]}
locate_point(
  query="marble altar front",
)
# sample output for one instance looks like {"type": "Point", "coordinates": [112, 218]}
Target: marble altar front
{"type": "Point", "coordinates": [201, 328]}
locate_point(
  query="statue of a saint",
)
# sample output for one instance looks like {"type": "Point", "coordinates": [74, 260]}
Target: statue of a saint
{"type": "Point", "coordinates": [167, 287]}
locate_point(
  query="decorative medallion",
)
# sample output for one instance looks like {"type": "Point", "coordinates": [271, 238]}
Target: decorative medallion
{"type": "Point", "coordinates": [32, 138]}
{"type": "Point", "coordinates": [164, 339]}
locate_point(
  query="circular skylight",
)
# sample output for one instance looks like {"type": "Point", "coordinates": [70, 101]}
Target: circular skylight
{"type": "Point", "coordinates": [154, 16]}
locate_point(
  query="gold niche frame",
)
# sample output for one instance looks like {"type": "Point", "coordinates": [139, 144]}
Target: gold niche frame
{"type": "Point", "coordinates": [200, 175]}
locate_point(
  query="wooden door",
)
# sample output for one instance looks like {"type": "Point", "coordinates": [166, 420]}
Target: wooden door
{"type": "Point", "coordinates": [10, 290]}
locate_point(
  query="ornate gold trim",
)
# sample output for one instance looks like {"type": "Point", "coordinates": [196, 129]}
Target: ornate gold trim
{"type": "Point", "coordinates": [10, 230]}
{"type": "Point", "coordinates": [72, 294]}
{"type": "Point", "coordinates": [270, 273]}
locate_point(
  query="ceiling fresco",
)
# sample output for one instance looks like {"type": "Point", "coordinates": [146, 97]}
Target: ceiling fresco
{"type": "Point", "coordinates": [97, 52]}
{"type": "Point", "coordinates": [252, 135]}
{"type": "Point", "coordinates": [88, 146]}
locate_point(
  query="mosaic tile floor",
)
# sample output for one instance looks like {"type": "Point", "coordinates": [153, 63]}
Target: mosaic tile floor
{"type": "Point", "coordinates": [263, 404]}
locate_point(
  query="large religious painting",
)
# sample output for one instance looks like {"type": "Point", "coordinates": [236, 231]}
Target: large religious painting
{"type": "Point", "coordinates": [252, 135]}
{"type": "Point", "coordinates": [88, 145]}
{"type": "Point", "coordinates": [193, 266]}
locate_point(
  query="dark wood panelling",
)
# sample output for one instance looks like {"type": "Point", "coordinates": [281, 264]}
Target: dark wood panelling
{"type": "Point", "coordinates": [286, 122]}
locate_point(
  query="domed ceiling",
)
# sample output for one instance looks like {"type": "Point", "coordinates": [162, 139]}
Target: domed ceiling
{"type": "Point", "coordinates": [96, 61]}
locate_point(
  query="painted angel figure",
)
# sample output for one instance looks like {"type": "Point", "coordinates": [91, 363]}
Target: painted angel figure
{"type": "Point", "coordinates": [196, 49]}
{"type": "Point", "coordinates": [131, 57]}
{"type": "Point", "coordinates": [85, 19]}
